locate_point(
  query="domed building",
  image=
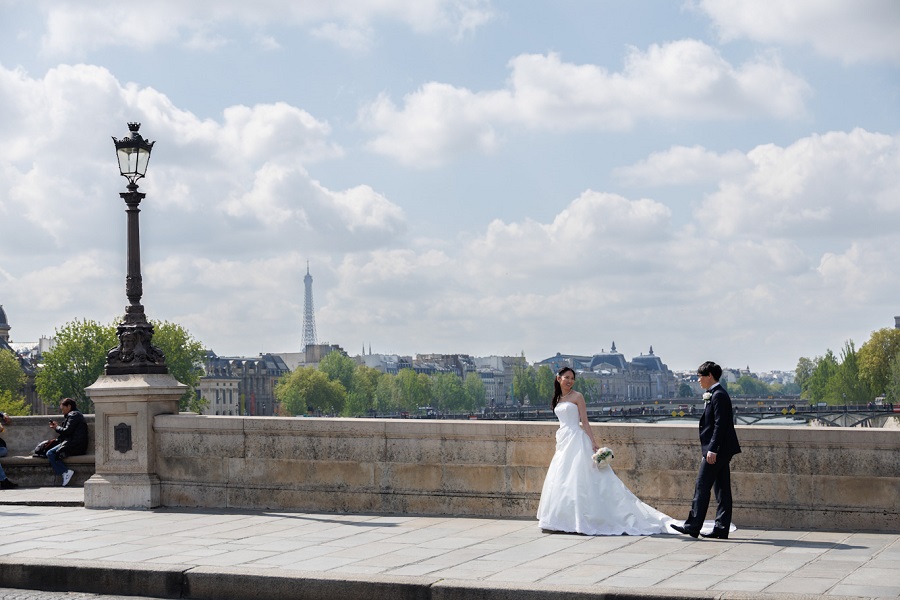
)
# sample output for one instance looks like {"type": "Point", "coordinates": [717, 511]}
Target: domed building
{"type": "Point", "coordinates": [27, 364]}
{"type": "Point", "coordinates": [643, 378]}
{"type": "Point", "coordinates": [4, 329]}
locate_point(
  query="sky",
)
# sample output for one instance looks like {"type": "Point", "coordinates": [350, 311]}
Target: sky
{"type": "Point", "coordinates": [715, 179]}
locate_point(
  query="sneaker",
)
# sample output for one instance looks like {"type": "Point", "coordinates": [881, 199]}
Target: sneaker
{"type": "Point", "coordinates": [67, 477]}
{"type": "Point", "coordinates": [6, 484]}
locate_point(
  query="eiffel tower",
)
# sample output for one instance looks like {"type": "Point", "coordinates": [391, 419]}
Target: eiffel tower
{"type": "Point", "coordinates": [309, 314]}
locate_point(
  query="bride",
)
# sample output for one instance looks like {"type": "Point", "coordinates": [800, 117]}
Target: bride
{"type": "Point", "coordinates": [579, 497]}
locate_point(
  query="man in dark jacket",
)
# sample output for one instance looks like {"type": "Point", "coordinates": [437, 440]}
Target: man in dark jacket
{"type": "Point", "coordinates": [71, 439]}
{"type": "Point", "coordinates": [5, 483]}
{"type": "Point", "coordinates": [718, 442]}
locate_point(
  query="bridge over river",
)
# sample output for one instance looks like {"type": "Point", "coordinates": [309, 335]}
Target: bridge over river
{"type": "Point", "coordinates": [747, 412]}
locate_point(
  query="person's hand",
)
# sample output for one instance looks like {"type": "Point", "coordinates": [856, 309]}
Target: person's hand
{"type": "Point", "coordinates": [595, 445]}
{"type": "Point", "coordinates": [52, 424]}
{"type": "Point", "coordinates": [6, 420]}
{"type": "Point", "coordinates": [711, 458]}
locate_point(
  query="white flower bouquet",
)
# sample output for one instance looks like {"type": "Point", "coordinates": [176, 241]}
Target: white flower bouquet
{"type": "Point", "coordinates": [706, 397]}
{"type": "Point", "coordinates": [603, 457]}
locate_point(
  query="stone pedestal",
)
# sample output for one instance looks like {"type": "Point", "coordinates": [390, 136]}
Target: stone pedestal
{"type": "Point", "coordinates": [124, 408]}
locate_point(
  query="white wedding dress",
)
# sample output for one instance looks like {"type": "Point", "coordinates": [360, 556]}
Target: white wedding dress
{"type": "Point", "coordinates": [580, 497]}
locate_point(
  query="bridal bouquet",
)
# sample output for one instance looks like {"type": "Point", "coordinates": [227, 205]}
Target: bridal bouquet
{"type": "Point", "coordinates": [603, 456]}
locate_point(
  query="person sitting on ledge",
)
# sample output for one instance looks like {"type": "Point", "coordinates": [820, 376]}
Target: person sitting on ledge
{"type": "Point", "coordinates": [5, 483]}
{"type": "Point", "coordinates": [71, 439]}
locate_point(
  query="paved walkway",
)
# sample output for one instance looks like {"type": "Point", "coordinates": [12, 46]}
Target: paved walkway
{"type": "Point", "coordinates": [231, 554]}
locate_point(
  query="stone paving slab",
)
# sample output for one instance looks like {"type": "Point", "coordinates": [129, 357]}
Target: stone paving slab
{"type": "Point", "coordinates": [231, 555]}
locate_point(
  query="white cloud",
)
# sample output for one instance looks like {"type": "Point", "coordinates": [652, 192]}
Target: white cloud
{"type": "Point", "coordinates": [75, 27]}
{"type": "Point", "coordinates": [680, 80]}
{"type": "Point", "coordinates": [226, 201]}
{"type": "Point", "coordinates": [355, 38]}
{"type": "Point", "coordinates": [839, 184]}
{"type": "Point", "coordinates": [862, 30]}
{"type": "Point", "coordinates": [682, 165]}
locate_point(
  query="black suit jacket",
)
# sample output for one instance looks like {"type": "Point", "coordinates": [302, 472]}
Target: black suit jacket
{"type": "Point", "coordinates": [717, 432]}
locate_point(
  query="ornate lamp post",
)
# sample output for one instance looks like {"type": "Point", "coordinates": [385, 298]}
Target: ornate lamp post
{"type": "Point", "coordinates": [135, 353]}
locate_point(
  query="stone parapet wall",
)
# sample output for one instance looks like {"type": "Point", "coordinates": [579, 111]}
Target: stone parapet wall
{"type": "Point", "coordinates": [787, 477]}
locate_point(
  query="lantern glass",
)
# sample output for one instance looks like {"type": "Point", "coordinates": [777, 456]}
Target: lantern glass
{"type": "Point", "coordinates": [133, 154]}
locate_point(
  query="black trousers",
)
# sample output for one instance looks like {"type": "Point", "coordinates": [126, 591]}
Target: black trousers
{"type": "Point", "coordinates": [716, 477]}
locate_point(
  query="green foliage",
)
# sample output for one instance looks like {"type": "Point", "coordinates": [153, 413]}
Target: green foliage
{"type": "Point", "coordinates": [361, 398]}
{"type": "Point", "coordinates": [385, 394]}
{"type": "Point", "coordinates": [815, 387]}
{"type": "Point", "coordinates": [876, 357]}
{"type": "Point", "coordinates": [13, 405]}
{"type": "Point", "coordinates": [685, 391]}
{"type": "Point", "coordinates": [339, 367]}
{"type": "Point", "coordinates": [306, 389]}
{"type": "Point", "coordinates": [749, 386]}
{"type": "Point", "coordinates": [845, 385]}
{"type": "Point", "coordinates": [476, 395]}
{"type": "Point", "coordinates": [75, 362]}
{"type": "Point", "coordinates": [411, 390]}
{"type": "Point", "coordinates": [892, 393]}
{"type": "Point", "coordinates": [587, 388]}
{"type": "Point", "coordinates": [79, 355]}
{"type": "Point", "coordinates": [447, 393]}
{"type": "Point", "coordinates": [184, 357]}
{"type": "Point", "coordinates": [544, 379]}
{"type": "Point", "coordinates": [525, 385]}
{"type": "Point", "coordinates": [12, 378]}
{"type": "Point", "coordinates": [859, 376]}
{"type": "Point", "coordinates": [804, 370]}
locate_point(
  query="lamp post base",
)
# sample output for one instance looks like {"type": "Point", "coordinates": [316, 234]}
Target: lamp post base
{"type": "Point", "coordinates": [135, 353]}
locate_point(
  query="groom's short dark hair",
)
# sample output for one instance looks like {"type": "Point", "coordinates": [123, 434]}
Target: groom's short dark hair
{"type": "Point", "coordinates": [710, 368]}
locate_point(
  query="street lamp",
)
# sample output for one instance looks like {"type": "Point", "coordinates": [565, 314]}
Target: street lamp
{"type": "Point", "coordinates": [135, 353]}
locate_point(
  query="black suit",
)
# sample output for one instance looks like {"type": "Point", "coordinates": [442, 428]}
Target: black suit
{"type": "Point", "coordinates": [716, 435]}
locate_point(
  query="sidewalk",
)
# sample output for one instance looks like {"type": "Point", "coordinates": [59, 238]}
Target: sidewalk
{"type": "Point", "coordinates": [233, 555]}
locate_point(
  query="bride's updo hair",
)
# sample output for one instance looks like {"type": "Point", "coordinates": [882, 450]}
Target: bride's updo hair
{"type": "Point", "coordinates": [557, 389]}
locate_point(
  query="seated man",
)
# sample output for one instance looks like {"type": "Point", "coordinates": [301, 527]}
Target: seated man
{"type": "Point", "coordinates": [5, 483]}
{"type": "Point", "coordinates": [71, 439]}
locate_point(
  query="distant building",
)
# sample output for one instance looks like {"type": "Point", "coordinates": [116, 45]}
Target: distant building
{"type": "Point", "coordinates": [643, 378]}
{"type": "Point", "coordinates": [255, 379]}
{"type": "Point", "coordinates": [497, 374]}
{"type": "Point", "coordinates": [28, 357]}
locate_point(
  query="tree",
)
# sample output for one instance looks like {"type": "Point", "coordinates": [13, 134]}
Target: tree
{"type": "Point", "coordinates": [12, 378]}
{"type": "Point", "coordinates": [587, 388]}
{"type": "Point", "coordinates": [475, 392]}
{"type": "Point", "coordinates": [411, 390]}
{"type": "Point", "coordinates": [892, 393]}
{"type": "Point", "coordinates": [447, 392]}
{"type": "Point", "coordinates": [525, 385]}
{"type": "Point", "coordinates": [306, 389]}
{"type": "Point", "coordinates": [749, 386]}
{"type": "Point", "coordinates": [385, 394]}
{"type": "Point", "coordinates": [184, 357]}
{"type": "Point", "coordinates": [75, 362]}
{"type": "Point", "coordinates": [79, 355]}
{"type": "Point", "coordinates": [339, 367]}
{"type": "Point", "coordinates": [815, 388]}
{"type": "Point", "coordinates": [685, 391]}
{"type": "Point", "coordinates": [13, 405]}
{"type": "Point", "coordinates": [544, 378]}
{"type": "Point", "coordinates": [876, 357]}
{"type": "Point", "coordinates": [804, 370]}
{"type": "Point", "coordinates": [362, 394]}
{"type": "Point", "coordinates": [846, 386]}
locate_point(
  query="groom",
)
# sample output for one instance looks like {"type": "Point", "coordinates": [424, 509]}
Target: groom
{"type": "Point", "coordinates": [719, 443]}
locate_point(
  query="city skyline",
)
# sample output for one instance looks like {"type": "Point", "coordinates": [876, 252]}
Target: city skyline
{"type": "Point", "coordinates": [713, 179]}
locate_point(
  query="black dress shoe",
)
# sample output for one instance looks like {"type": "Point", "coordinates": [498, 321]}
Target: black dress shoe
{"type": "Point", "coordinates": [684, 530]}
{"type": "Point", "coordinates": [720, 534]}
